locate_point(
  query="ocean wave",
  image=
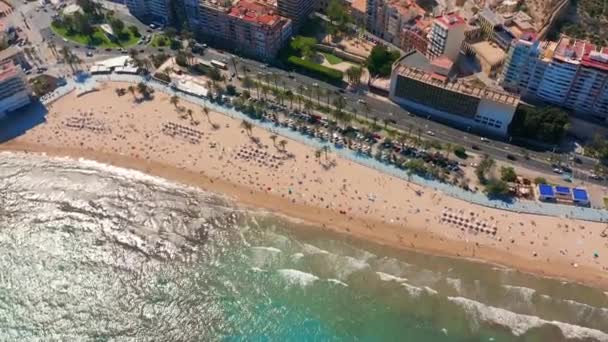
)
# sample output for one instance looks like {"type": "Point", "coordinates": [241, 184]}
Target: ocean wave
{"type": "Point", "coordinates": [310, 249]}
{"type": "Point", "coordinates": [263, 256]}
{"type": "Point", "coordinates": [296, 277]}
{"type": "Point", "coordinates": [337, 282]}
{"type": "Point", "coordinates": [519, 324]}
{"type": "Point", "coordinates": [389, 277]}
{"type": "Point", "coordinates": [519, 293]}
{"type": "Point", "coordinates": [455, 284]}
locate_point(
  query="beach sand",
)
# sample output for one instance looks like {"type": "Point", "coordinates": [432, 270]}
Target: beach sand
{"type": "Point", "coordinates": [329, 192]}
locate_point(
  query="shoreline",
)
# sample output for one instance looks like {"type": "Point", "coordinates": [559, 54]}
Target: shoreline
{"type": "Point", "coordinates": [331, 194]}
{"type": "Point", "coordinates": [325, 221]}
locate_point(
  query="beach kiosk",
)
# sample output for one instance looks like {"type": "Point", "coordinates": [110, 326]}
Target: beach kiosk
{"type": "Point", "coordinates": [546, 192]}
{"type": "Point", "coordinates": [580, 196]}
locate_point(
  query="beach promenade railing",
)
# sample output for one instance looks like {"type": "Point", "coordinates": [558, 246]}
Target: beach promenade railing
{"type": "Point", "coordinates": [517, 205]}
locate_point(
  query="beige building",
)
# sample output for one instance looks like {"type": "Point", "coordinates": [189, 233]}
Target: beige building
{"type": "Point", "coordinates": [489, 56]}
{"type": "Point", "coordinates": [14, 91]}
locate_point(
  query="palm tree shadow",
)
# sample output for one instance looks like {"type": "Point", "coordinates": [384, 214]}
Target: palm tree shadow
{"type": "Point", "coordinates": [17, 123]}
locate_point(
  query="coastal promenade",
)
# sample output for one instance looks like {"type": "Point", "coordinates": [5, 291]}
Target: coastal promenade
{"type": "Point", "coordinates": [516, 205]}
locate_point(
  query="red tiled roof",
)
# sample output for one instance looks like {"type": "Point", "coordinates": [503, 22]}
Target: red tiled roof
{"type": "Point", "coordinates": [254, 12]}
{"type": "Point", "coordinates": [450, 19]}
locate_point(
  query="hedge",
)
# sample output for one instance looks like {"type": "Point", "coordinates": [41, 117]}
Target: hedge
{"type": "Point", "coordinates": [323, 71]}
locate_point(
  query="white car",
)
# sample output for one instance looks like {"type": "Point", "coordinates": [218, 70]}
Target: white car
{"type": "Point", "coordinates": [431, 133]}
{"type": "Point", "coordinates": [558, 171]}
{"type": "Point", "coordinates": [484, 139]}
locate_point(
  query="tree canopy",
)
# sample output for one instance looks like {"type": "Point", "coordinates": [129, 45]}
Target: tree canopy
{"type": "Point", "coordinates": [304, 46]}
{"type": "Point", "coordinates": [546, 124]}
{"type": "Point", "coordinates": [380, 61]}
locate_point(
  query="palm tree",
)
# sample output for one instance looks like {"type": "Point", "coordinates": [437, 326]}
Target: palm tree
{"type": "Point", "coordinates": [282, 144]}
{"type": "Point", "coordinates": [247, 126]}
{"type": "Point", "coordinates": [448, 149]}
{"type": "Point", "coordinates": [275, 79]}
{"type": "Point", "coordinates": [328, 94]}
{"type": "Point", "coordinates": [326, 150]}
{"type": "Point", "coordinates": [308, 105]}
{"type": "Point", "coordinates": [318, 92]}
{"type": "Point", "coordinates": [318, 153]}
{"type": "Point", "coordinates": [142, 88]}
{"type": "Point", "coordinates": [418, 132]}
{"type": "Point", "coordinates": [206, 113]}
{"type": "Point", "coordinates": [189, 113]}
{"type": "Point", "coordinates": [289, 94]}
{"type": "Point", "coordinates": [174, 100]}
{"type": "Point", "coordinates": [274, 137]}
{"type": "Point", "coordinates": [131, 90]}
{"type": "Point", "coordinates": [66, 54]}
{"type": "Point", "coordinates": [385, 122]}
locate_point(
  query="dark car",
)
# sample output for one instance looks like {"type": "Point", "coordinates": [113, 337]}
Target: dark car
{"type": "Point", "coordinates": [511, 157]}
{"type": "Point", "coordinates": [475, 147]}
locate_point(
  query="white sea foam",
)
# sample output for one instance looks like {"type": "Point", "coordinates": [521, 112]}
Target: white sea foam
{"type": "Point", "coordinates": [263, 256]}
{"type": "Point", "coordinates": [296, 257]}
{"type": "Point", "coordinates": [298, 278]}
{"type": "Point", "coordinates": [389, 277]}
{"type": "Point", "coordinates": [519, 324]}
{"type": "Point", "coordinates": [520, 292]}
{"type": "Point", "coordinates": [257, 269]}
{"type": "Point", "coordinates": [455, 283]}
{"type": "Point", "coordinates": [337, 282]}
{"type": "Point", "coordinates": [310, 249]}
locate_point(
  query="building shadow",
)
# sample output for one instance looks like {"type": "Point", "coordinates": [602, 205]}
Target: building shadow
{"type": "Point", "coordinates": [17, 123]}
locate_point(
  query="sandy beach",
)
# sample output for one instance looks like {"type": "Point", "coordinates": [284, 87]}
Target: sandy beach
{"type": "Point", "coordinates": [218, 155]}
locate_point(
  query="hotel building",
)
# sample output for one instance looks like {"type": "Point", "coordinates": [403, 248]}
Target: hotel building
{"type": "Point", "coordinates": [425, 87]}
{"type": "Point", "coordinates": [154, 11]}
{"type": "Point", "coordinates": [250, 27]}
{"type": "Point", "coordinates": [569, 73]}
{"type": "Point", "coordinates": [296, 10]}
{"type": "Point", "coordinates": [14, 91]}
{"type": "Point", "coordinates": [446, 36]}
{"type": "Point", "coordinates": [388, 18]}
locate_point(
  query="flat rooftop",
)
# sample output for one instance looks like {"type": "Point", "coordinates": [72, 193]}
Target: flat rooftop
{"type": "Point", "coordinates": [450, 20]}
{"type": "Point", "coordinates": [489, 52]}
{"type": "Point", "coordinates": [8, 70]}
{"type": "Point", "coordinates": [457, 87]}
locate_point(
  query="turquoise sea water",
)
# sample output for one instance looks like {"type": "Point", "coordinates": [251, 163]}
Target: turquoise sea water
{"type": "Point", "coordinates": [91, 252]}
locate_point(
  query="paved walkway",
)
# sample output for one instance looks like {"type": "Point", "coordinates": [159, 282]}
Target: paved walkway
{"type": "Point", "coordinates": [519, 206]}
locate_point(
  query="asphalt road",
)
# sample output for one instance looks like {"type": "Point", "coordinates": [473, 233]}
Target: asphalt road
{"type": "Point", "coordinates": [378, 107]}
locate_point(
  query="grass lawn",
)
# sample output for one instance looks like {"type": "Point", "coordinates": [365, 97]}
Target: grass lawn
{"type": "Point", "coordinates": [160, 40]}
{"type": "Point", "coordinates": [332, 59]}
{"type": "Point", "coordinates": [98, 38]}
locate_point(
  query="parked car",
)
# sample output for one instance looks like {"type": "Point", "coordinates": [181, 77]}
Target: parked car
{"type": "Point", "coordinates": [511, 157]}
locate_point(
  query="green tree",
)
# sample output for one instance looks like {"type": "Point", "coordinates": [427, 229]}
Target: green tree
{"type": "Point", "coordinates": [117, 26]}
{"type": "Point", "coordinates": [546, 124]}
{"type": "Point", "coordinates": [380, 61]}
{"type": "Point", "coordinates": [354, 74]}
{"type": "Point", "coordinates": [483, 168]}
{"type": "Point", "coordinates": [496, 187]}
{"type": "Point", "coordinates": [304, 46]}
{"type": "Point", "coordinates": [508, 174]}
{"type": "Point", "coordinates": [338, 15]}
{"type": "Point", "coordinates": [134, 31]}
{"type": "Point", "coordinates": [174, 100]}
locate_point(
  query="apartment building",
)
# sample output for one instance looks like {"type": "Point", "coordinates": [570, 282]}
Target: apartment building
{"type": "Point", "coordinates": [297, 10]}
{"type": "Point", "coordinates": [153, 11]}
{"type": "Point", "coordinates": [422, 87]}
{"type": "Point", "coordinates": [446, 36]}
{"type": "Point", "coordinates": [569, 73]}
{"type": "Point", "coordinates": [252, 28]}
{"type": "Point", "coordinates": [14, 91]}
{"type": "Point", "coordinates": [388, 18]}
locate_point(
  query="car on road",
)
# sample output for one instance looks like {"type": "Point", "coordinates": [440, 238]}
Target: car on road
{"type": "Point", "coordinates": [485, 140]}
{"type": "Point", "coordinates": [290, 75]}
{"type": "Point", "coordinates": [341, 91]}
{"type": "Point", "coordinates": [511, 157]}
{"type": "Point", "coordinates": [558, 171]}
{"type": "Point", "coordinates": [160, 50]}
{"type": "Point", "coordinates": [431, 133]}
{"type": "Point", "coordinates": [475, 147]}
{"type": "Point", "coordinates": [596, 177]}
{"type": "Point", "coordinates": [361, 101]}
{"type": "Point", "coordinates": [109, 50]}
{"type": "Point", "coordinates": [89, 54]}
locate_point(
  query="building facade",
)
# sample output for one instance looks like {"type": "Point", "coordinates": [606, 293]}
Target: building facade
{"type": "Point", "coordinates": [388, 18]}
{"type": "Point", "coordinates": [455, 103]}
{"type": "Point", "coordinates": [297, 10]}
{"type": "Point", "coordinates": [569, 73]}
{"type": "Point", "coordinates": [447, 35]}
{"type": "Point", "coordinates": [248, 27]}
{"type": "Point", "coordinates": [14, 91]}
{"type": "Point", "coordinates": [152, 11]}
